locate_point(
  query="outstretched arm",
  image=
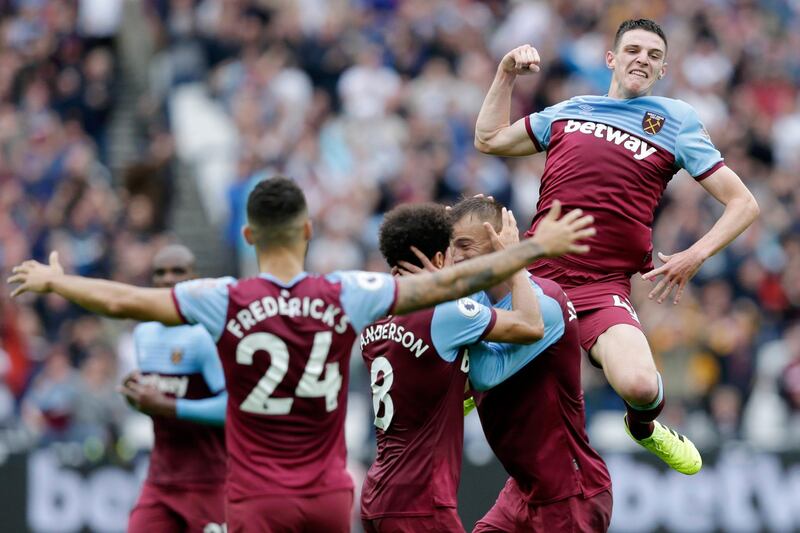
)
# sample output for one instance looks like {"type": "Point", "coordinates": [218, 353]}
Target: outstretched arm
{"type": "Point", "coordinates": [494, 133]}
{"type": "Point", "coordinates": [110, 298]}
{"type": "Point", "coordinates": [557, 237]}
{"type": "Point", "coordinates": [741, 210]}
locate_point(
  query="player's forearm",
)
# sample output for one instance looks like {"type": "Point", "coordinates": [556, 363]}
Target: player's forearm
{"type": "Point", "coordinates": [113, 299]}
{"type": "Point", "coordinates": [495, 113]}
{"type": "Point", "coordinates": [463, 279]}
{"type": "Point", "coordinates": [525, 305]}
{"type": "Point", "coordinates": [210, 411]}
{"type": "Point", "coordinates": [738, 215]}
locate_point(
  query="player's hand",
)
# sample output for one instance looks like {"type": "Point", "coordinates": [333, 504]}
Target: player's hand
{"type": "Point", "coordinates": [677, 270]}
{"type": "Point", "coordinates": [509, 232]}
{"type": "Point", "coordinates": [521, 60]}
{"type": "Point", "coordinates": [559, 235]}
{"type": "Point", "coordinates": [33, 276]}
{"type": "Point", "coordinates": [131, 377]}
{"type": "Point", "coordinates": [146, 399]}
{"type": "Point", "coordinates": [404, 267]}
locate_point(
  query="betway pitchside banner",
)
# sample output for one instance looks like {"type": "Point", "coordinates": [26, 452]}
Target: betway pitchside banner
{"type": "Point", "coordinates": [737, 491]}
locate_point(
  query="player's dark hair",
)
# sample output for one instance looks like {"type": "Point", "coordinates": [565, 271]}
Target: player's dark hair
{"type": "Point", "coordinates": [483, 208]}
{"type": "Point", "coordinates": [425, 226]}
{"type": "Point", "coordinates": [275, 208]}
{"type": "Point", "coordinates": [639, 24]}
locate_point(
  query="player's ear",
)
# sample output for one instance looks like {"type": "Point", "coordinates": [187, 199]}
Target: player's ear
{"type": "Point", "coordinates": [438, 260]}
{"type": "Point", "coordinates": [308, 230]}
{"type": "Point", "coordinates": [247, 233]}
{"type": "Point", "coordinates": [663, 71]}
{"type": "Point", "coordinates": [610, 59]}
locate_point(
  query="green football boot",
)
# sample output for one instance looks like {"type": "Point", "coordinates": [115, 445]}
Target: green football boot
{"type": "Point", "coordinates": [671, 447]}
{"type": "Point", "coordinates": [469, 405]}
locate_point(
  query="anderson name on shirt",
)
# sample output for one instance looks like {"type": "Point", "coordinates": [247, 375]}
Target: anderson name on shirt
{"type": "Point", "coordinates": [395, 333]}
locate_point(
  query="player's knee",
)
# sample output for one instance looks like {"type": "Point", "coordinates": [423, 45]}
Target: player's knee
{"type": "Point", "coordinates": [639, 387]}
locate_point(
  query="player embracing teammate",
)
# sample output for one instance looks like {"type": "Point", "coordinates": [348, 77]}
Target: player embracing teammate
{"type": "Point", "coordinates": [284, 338]}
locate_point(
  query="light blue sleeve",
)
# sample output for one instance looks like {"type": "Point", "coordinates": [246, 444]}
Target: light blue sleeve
{"type": "Point", "coordinates": [137, 343]}
{"type": "Point", "coordinates": [366, 296]}
{"type": "Point", "coordinates": [210, 361]}
{"type": "Point", "coordinates": [210, 411]}
{"type": "Point", "coordinates": [459, 323]}
{"type": "Point", "coordinates": [538, 125]}
{"type": "Point", "coordinates": [694, 150]}
{"type": "Point", "coordinates": [491, 363]}
{"type": "Point", "coordinates": [482, 298]}
{"type": "Point", "coordinates": [204, 302]}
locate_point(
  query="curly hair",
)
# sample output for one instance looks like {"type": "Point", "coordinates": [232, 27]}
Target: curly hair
{"type": "Point", "coordinates": [426, 226]}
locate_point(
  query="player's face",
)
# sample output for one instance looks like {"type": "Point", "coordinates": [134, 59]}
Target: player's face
{"type": "Point", "coordinates": [167, 273]}
{"type": "Point", "coordinates": [470, 239]}
{"type": "Point", "coordinates": [638, 62]}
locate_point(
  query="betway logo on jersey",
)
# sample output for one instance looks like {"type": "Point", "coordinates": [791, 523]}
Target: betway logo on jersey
{"type": "Point", "coordinates": [640, 149]}
{"type": "Point", "coordinates": [174, 385]}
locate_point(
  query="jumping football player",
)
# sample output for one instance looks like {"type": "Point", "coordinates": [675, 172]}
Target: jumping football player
{"type": "Point", "coordinates": [612, 156]}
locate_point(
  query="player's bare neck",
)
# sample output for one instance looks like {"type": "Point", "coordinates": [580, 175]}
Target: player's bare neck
{"type": "Point", "coordinates": [618, 93]}
{"type": "Point", "coordinates": [282, 263]}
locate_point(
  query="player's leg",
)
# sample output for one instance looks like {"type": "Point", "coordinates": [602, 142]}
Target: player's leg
{"type": "Point", "coordinates": [445, 520]}
{"type": "Point", "coordinates": [594, 514]}
{"type": "Point", "coordinates": [615, 341]}
{"type": "Point", "coordinates": [503, 515]}
{"type": "Point", "coordinates": [151, 513]}
{"type": "Point", "coordinates": [329, 512]}
{"type": "Point", "coordinates": [624, 354]}
{"type": "Point", "coordinates": [576, 514]}
{"type": "Point", "coordinates": [268, 514]}
{"type": "Point", "coordinates": [202, 510]}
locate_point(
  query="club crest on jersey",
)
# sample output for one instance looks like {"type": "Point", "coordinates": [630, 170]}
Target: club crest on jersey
{"type": "Point", "coordinates": [652, 122]}
{"type": "Point", "coordinates": [468, 307]}
{"type": "Point", "coordinates": [177, 356]}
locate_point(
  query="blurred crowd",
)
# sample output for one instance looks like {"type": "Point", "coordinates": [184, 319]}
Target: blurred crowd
{"type": "Point", "coordinates": [368, 104]}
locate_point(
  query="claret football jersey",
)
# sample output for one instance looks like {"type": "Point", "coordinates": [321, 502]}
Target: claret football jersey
{"type": "Point", "coordinates": [613, 158]}
{"type": "Point", "coordinates": [285, 350]}
{"type": "Point", "coordinates": [530, 403]}
{"type": "Point", "coordinates": [418, 368]}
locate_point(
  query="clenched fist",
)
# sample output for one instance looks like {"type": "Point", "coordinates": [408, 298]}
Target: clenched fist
{"type": "Point", "coordinates": [521, 60]}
